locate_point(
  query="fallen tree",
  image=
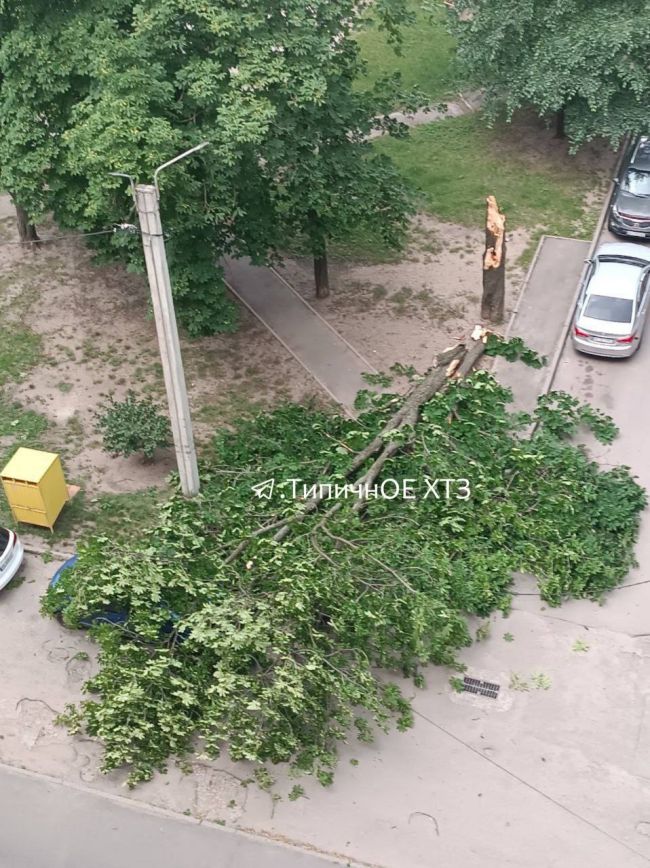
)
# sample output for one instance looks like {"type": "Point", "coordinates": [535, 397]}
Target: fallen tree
{"type": "Point", "coordinates": [259, 623]}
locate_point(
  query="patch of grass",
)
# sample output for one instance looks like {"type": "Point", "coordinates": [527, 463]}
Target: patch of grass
{"type": "Point", "coordinates": [74, 426]}
{"type": "Point", "coordinates": [66, 351]}
{"type": "Point", "coordinates": [116, 515]}
{"type": "Point", "coordinates": [455, 163]}
{"type": "Point", "coordinates": [64, 387]}
{"type": "Point", "coordinates": [20, 350]}
{"type": "Point", "coordinates": [426, 54]}
{"type": "Point", "coordinates": [540, 681]}
{"type": "Point", "coordinates": [580, 645]}
{"type": "Point", "coordinates": [73, 517]}
{"type": "Point", "coordinates": [360, 245]}
{"type": "Point", "coordinates": [90, 350]}
{"type": "Point", "coordinates": [440, 309]}
{"type": "Point", "coordinates": [518, 683]}
{"type": "Point", "coordinates": [113, 515]}
{"type": "Point", "coordinates": [400, 300]}
{"type": "Point", "coordinates": [25, 427]}
{"type": "Point", "coordinates": [235, 404]}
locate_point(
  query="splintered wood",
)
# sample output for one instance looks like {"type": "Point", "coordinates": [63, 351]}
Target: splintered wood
{"type": "Point", "coordinates": [494, 262]}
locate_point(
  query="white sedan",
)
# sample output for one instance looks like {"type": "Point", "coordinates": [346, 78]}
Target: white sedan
{"type": "Point", "coordinates": [611, 312]}
{"type": "Point", "coordinates": [11, 556]}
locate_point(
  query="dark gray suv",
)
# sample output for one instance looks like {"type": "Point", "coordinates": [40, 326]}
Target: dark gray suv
{"type": "Point", "coordinates": [629, 213]}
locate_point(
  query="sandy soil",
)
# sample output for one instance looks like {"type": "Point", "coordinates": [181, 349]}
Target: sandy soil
{"type": "Point", "coordinates": [99, 338]}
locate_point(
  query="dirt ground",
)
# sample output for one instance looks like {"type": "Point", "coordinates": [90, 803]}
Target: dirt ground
{"type": "Point", "coordinates": [98, 337]}
{"type": "Point", "coordinates": [408, 311]}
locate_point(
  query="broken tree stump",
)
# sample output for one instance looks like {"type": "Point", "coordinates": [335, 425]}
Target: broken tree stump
{"type": "Point", "coordinates": [494, 264]}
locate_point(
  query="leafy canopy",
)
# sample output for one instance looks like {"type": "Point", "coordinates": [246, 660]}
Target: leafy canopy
{"type": "Point", "coordinates": [272, 654]}
{"type": "Point", "coordinates": [588, 58]}
{"type": "Point", "coordinates": [89, 88]}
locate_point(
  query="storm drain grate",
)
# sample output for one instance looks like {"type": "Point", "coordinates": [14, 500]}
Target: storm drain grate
{"type": "Point", "coordinates": [483, 688]}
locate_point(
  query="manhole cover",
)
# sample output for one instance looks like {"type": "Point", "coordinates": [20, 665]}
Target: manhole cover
{"type": "Point", "coordinates": [482, 688]}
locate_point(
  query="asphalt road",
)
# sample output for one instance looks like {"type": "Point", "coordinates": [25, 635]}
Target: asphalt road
{"type": "Point", "coordinates": [44, 824]}
{"type": "Point", "coordinates": [619, 387]}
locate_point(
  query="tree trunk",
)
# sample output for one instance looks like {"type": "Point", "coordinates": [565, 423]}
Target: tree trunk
{"type": "Point", "coordinates": [559, 124]}
{"type": "Point", "coordinates": [321, 275]}
{"type": "Point", "coordinates": [494, 264]}
{"type": "Point", "coordinates": [26, 230]}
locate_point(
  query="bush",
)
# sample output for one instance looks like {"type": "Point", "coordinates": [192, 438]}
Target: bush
{"type": "Point", "coordinates": [133, 426]}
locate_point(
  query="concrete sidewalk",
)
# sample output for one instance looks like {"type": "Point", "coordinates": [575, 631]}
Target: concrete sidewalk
{"type": "Point", "coordinates": [320, 349]}
{"type": "Point", "coordinates": [45, 822]}
{"type": "Point", "coordinates": [540, 315]}
{"type": "Point", "coordinates": [467, 103]}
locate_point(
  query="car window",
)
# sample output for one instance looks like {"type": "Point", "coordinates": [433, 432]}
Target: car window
{"type": "Point", "coordinates": [609, 309]}
{"type": "Point", "coordinates": [637, 183]}
{"type": "Point", "coordinates": [642, 288]}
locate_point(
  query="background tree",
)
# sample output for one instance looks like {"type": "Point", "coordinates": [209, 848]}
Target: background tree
{"type": "Point", "coordinates": [583, 61]}
{"type": "Point", "coordinates": [42, 55]}
{"type": "Point", "coordinates": [271, 87]}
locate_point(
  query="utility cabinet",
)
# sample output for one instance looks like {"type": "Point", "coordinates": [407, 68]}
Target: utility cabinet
{"type": "Point", "coordinates": [35, 486]}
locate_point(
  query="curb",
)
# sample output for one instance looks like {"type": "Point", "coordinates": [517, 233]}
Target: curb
{"type": "Point", "coordinates": [139, 806]}
{"type": "Point", "coordinates": [524, 287]}
{"type": "Point", "coordinates": [38, 551]}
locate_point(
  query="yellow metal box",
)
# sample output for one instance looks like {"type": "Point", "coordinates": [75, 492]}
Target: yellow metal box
{"type": "Point", "coordinates": [35, 486]}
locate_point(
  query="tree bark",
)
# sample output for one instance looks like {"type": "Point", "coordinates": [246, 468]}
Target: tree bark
{"type": "Point", "coordinates": [26, 230]}
{"type": "Point", "coordinates": [321, 276]}
{"type": "Point", "coordinates": [559, 124]}
{"type": "Point", "coordinates": [494, 264]}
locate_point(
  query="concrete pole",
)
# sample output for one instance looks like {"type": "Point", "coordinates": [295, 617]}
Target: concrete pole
{"type": "Point", "coordinates": [146, 200]}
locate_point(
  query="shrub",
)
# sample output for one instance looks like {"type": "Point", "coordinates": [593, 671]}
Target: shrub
{"type": "Point", "coordinates": [132, 426]}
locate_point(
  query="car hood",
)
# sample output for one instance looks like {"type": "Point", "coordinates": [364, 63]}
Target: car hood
{"type": "Point", "coordinates": [635, 206]}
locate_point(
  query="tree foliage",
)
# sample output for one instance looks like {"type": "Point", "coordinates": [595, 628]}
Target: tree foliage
{"type": "Point", "coordinates": [586, 58]}
{"type": "Point", "coordinates": [275, 646]}
{"type": "Point", "coordinates": [124, 85]}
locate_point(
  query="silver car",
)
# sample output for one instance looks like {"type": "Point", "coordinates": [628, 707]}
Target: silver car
{"type": "Point", "coordinates": [613, 301]}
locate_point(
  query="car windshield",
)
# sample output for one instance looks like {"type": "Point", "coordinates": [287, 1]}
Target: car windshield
{"type": "Point", "coordinates": [637, 183]}
{"type": "Point", "coordinates": [4, 540]}
{"type": "Point", "coordinates": [609, 309]}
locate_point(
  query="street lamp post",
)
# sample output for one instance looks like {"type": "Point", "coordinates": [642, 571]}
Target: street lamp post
{"type": "Point", "coordinates": [147, 202]}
